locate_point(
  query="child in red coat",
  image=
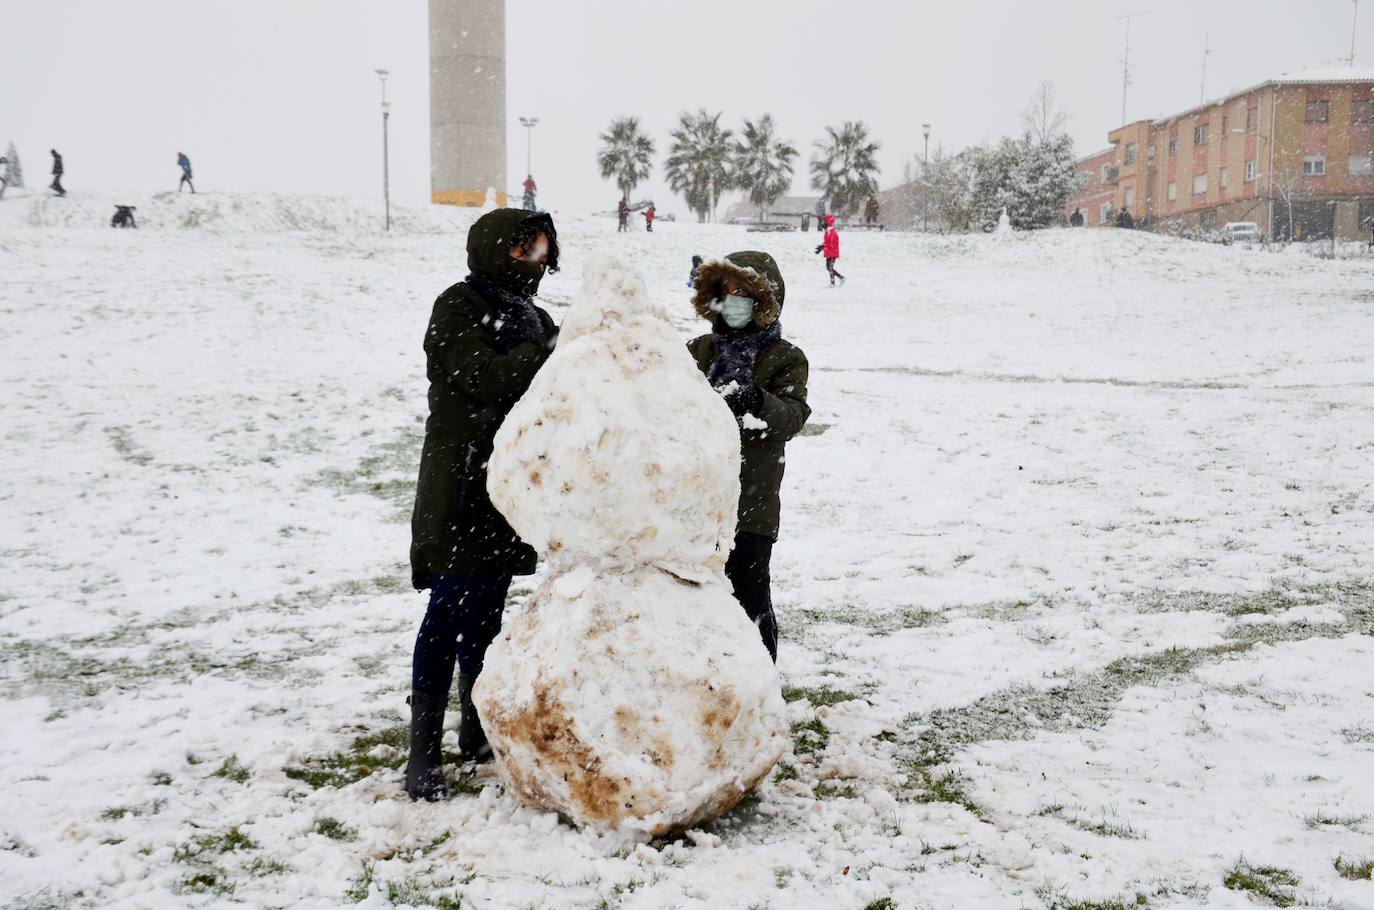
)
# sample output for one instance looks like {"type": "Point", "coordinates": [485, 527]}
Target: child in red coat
{"type": "Point", "coordinates": [830, 246]}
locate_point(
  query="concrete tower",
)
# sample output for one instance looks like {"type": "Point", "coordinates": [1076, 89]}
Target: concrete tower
{"type": "Point", "coordinates": [467, 101]}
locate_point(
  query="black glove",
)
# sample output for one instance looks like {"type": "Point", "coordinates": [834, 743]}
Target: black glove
{"type": "Point", "coordinates": [821, 247]}
{"type": "Point", "coordinates": [745, 400]}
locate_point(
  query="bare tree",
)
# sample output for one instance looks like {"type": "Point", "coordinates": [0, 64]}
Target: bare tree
{"type": "Point", "coordinates": [1286, 182]}
{"type": "Point", "coordinates": [1043, 118]}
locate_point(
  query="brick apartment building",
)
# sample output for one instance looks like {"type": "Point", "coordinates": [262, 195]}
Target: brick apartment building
{"type": "Point", "coordinates": [1292, 154]}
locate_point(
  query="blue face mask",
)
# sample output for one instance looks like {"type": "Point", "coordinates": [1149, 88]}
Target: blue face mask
{"type": "Point", "coordinates": [737, 311]}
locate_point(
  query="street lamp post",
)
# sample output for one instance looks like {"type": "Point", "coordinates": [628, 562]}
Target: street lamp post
{"type": "Point", "coordinates": [925, 197]}
{"type": "Point", "coordinates": [386, 156]}
{"type": "Point", "coordinates": [529, 123]}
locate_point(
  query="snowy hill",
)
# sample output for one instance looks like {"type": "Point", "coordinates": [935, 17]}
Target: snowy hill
{"type": "Point", "coordinates": [1072, 584]}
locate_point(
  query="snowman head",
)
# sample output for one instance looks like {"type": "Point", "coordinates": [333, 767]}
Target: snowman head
{"type": "Point", "coordinates": [613, 294]}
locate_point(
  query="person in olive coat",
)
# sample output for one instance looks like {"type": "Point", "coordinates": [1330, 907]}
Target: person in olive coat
{"type": "Point", "coordinates": [486, 340]}
{"type": "Point", "coordinates": [763, 379]}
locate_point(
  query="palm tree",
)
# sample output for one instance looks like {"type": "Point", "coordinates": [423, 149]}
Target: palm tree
{"type": "Point", "coordinates": [763, 164]}
{"type": "Point", "coordinates": [698, 164]}
{"type": "Point", "coordinates": [845, 167]}
{"type": "Point", "coordinates": [626, 154]}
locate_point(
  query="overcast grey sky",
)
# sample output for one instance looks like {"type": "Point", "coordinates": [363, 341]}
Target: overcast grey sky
{"type": "Point", "coordinates": [280, 94]}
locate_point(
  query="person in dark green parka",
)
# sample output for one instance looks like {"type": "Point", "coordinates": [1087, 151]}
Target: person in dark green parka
{"type": "Point", "coordinates": [763, 379]}
{"type": "Point", "coordinates": [486, 340]}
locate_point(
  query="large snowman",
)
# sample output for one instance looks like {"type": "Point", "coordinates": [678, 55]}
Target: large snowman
{"type": "Point", "coordinates": [633, 692]}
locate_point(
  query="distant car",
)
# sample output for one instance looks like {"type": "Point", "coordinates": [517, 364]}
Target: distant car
{"type": "Point", "coordinates": [1240, 232]}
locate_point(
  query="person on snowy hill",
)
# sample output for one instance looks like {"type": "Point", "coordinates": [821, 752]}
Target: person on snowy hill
{"type": "Point", "coordinates": [763, 379]}
{"type": "Point", "coordinates": [57, 169]}
{"type": "Point", "coordinates": [1124, 220]}
{"type": "Point", "coordinates": [185, 164]}
{"type": "Point", "coordinates": [486, 340]}
{"type": "Point", "coordinates": [691, 279]}
{"type": "Point", "coordinates": [4, 174]}
{"type": "Point", "coordinates": [623, 210]}
{"type": "Point", "coordinates": [649, 215]}
{"type": "Point", "coordinates": [830, 246]}
{"type": "Point", "coordinates": [820, 214]}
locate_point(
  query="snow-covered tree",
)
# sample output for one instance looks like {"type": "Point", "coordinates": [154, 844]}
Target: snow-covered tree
{"type": "Point", "coordinates": [626, 155]}
{"type": "Point", "coordinates": [947, 185]}
{"type": "Point", "coordinates": [1031, 180]}
{"type": "Point", "coordinates": [763, 163]}
{"type": "Point", "coordinates": [698, 164]}
{"type": "Point", "coordinates": [845, 167]}
{"type": "Point", "coordinates": [14, 173]}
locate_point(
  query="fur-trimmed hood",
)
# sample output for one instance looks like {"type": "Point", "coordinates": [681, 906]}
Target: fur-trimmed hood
{"type": "Point", "coordinates": [754, 271]}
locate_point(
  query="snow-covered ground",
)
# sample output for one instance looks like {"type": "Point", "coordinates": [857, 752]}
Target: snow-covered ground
{"type": "Point", "coordinates": [1074, 583]}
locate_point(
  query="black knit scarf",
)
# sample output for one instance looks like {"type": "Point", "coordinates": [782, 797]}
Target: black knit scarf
{"type": "Point", "coordinates": [736, 354]}
{"type": "Point", "coordinates": [517, 318]}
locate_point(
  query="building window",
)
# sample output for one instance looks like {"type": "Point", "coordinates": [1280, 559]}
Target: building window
{"type": "Point", "coordinates": [1200, 134]}
{"type": "Point", "coordinates": [1130, 153]}
{"type": "Point", "coordinates": [1317, 111]}
{"type": "Point", "coordinates": [1150, 153]}
{"type": "Point", "coordinates": [1251, 119]}
{"type": "Point", "coordinates": [1360, 166]}
{"type": "Point", "coordinates": [1106, 172]}
{"type": "Point", "coordinates": [1173, 145]}
{"type": "Point", "coordinates": [1128, 197]}
{"type": "Point", "coordinates": [1104, 213]}
{"type": "Point", "coordinates": [1199, 184]}
{"type": "Point", "coordinates": [1221, 178]}
{"type": "Point", "coordinates": [1225, 126]}
{"type": "Point", "coordinates": [1362, 112]}
{"type": "Point", "coordinates": [1173, 190]}
{"type": "Point", "coordinates": [1251, 170]}
{"type": "Point", "coordinates": [1314, 166]}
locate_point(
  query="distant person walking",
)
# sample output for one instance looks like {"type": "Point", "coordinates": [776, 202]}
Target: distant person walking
{"type": "Point", "coordinates": [1124, 220]}
{"type": "Point", "coordinates": [185, 164]}
{"type": "Point", "coordinates": [820, 214]}
{"type": "Point", "coordinates": [871, 210]}
{"type": "Point", "coordinates": [649, 214]}
{"type": "Point", "coordinates": [1076, 219]}
{"type": "Point", "coordinates": [56, 185]}
{"type": "Point", "coordinates": [696, 267]}
{"type": "Point", "coordinates": [5, 172]}
{"type": "Point", "coordinates": [623, 210]}
{"type": "Point", "coordinates": [830, 246]}
{"type": "Point", "coordinates": [530, 190]}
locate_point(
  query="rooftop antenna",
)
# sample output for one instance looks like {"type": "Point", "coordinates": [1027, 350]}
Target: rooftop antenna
{"type": "Point", "coordinates": [1126, 61]}
{"type": "Point", "coordinates": [1206, 52]}
{"type": "Point", "coordinates": [1353, 19]}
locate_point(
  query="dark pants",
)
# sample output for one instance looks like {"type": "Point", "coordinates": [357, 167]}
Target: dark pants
{"type": "Point", "coordinates": [747, 570]}
{"type": "Point", "coordinates": [820, 223]}
{"type": "Point", "coordinates": [830, 267]}
{"type": "Point", "coordinates": [624, 224]}
{"type": "Point", "coordinates": [463, 618]}
{"type": "Point", "coordinates": [186, 179]}
{"type": "Point", "coordinates": [56, 186]}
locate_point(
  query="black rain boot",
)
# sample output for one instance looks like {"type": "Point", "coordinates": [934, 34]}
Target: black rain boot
{"type": "Point", "coordinates": [472, 740]}
{"type": "Point", "coordinates": [425, 770]}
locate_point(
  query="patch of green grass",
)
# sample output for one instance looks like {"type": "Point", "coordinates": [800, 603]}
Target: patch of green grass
{"type": "Point", "coordinates": [160, 779]}
{"type": "Point", "coordinates": [228, 842]}
{"type": "Point", "coordinates": [831, 790]}
{"type": "Point", "coordinates": [1055, 900]}
{"type": "Point", "coordinates": [361, 886]}
{"type": "Point", "coordinates": [205, 881]}
{"type": "Point", "coordinates": [810, 737]}
{"type": "Point", "coordinates": [1103, 828]}
{"type": "Point", "coordinates": [334, 829]}
{"type": "Point", "coordinates": [1357, 870]}
{"type": "Point", "coordinates": [818, 696]}
{"type": "Point", "coordinates": [264, 867]}
{"type": "Point", "coordinates": [1321, 819]}
{"type": "Point", "coordinates": [230, 769]}
{"type": "Point", "coordinates": [882, 903]}
{"type": "Point", "coordinates": [784, 771]}
{"type": "Point", "coordinates": [1358, 734]}
{"type": "Point", "coordinates": [814, 429]}
{"type": "Point", "coordinates": [1269, 883]}
{"type": "Point", "coordinates": [368, 752]}
{"type": "Point", "coordinates": [115, 813]}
